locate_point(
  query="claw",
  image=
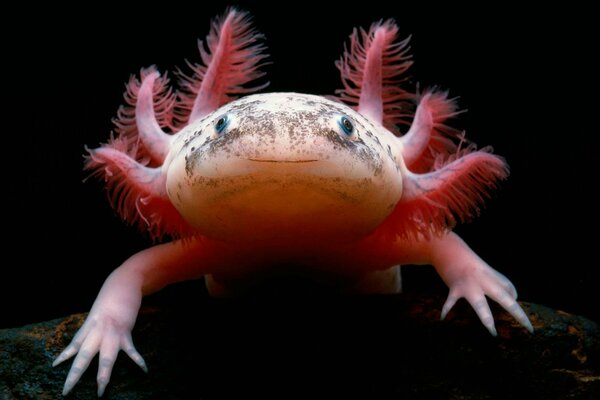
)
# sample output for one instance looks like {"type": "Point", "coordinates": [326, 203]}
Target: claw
{"type": "Point", "coordinates": [82, 361]}
{"type": "Point", "coordinates": [102, 337]}
{"type": "Point", "coordinates": [517, 312]}
{"type": "Point", "coordinates": [137, 358]}
{"type": "Point", "coordinates": [104, 369]}
{"type": "Point", "coordinates": [482, 309]}
{"type": "Point", "coordinates": [67, 353]}
{"type": "Point", "coordinates": [129, 348]}
{"type": "Point", "coordinates": [509, 303]}
{"type": "Point", "coordinates": [69, 384]}
{"type": "Point", "coordinates": [504, 282]}
{"type": "Point", "coordinates": [75, 344]}
{"type": "Point", "coordinates": [521, 318]}
{"type": "Point", "coordinates": [477, 282]}
{"type": "Point", "coordinates": [101, 387]}
{"type": "Point", "coordinates": [484, 313]}
{"type": "Point", "coordinates": [491, 328]}
{"type": "Point", "coordinates": [450, 302]}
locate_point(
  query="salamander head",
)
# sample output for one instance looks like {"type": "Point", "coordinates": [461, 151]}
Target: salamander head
{"type": "Point", "coordinates": [283, 165]}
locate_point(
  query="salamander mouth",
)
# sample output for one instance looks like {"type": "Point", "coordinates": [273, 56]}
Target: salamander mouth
{"type": "Point", "coordinates": [281, 161]}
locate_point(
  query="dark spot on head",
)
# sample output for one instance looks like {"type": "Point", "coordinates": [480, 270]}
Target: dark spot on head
{"type": "Point", "coordinates": [189, 165]}
{"type": "Point", "coordinates": [335, 138]}
{"type": "Point", "coordinates": [301, 128]}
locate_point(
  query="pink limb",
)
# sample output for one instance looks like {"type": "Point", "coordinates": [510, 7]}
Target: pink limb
{"type": "Point", "coordinates": [107, 329]}
{"type": "Point", "coordinates": [466, 275]}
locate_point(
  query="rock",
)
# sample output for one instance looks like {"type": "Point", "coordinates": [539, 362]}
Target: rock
{"type": "Point", "coordinates": [320, 347]}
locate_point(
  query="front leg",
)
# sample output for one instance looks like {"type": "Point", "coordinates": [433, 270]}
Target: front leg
{"type": "Point", "coordinates": [107, 329]}
{"type": "Point", "coordinates": [465, 273]}
{"type": "Point", "coordinates": [469, 277]}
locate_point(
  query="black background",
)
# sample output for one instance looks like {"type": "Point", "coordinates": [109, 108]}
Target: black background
{"type": "Point", "coordinates": [524, 75]}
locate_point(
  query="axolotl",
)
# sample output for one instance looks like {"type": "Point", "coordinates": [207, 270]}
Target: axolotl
{"type": "Point", "coordinates": [328, 187]}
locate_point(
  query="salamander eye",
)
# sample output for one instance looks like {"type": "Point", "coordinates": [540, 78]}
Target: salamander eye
{"type": "Point", "coordinates": [221, 124]}
{"type": "Point", "coordinates": [346, 125]}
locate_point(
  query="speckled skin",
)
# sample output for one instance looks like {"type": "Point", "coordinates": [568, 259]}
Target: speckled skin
{"type": "Point", "coordinates": [291, 141]}
{"type": "Point", "coordinates": [286, 183]}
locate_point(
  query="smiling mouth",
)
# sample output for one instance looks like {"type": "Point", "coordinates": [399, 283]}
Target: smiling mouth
{"type": "Point", "coordinates": [281, 161]}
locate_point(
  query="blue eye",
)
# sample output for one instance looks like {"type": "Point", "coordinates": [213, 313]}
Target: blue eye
{"type": "Point", "coordinates": [346, 125]}
{"type": "Point", "coordinates": [221, 124]}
